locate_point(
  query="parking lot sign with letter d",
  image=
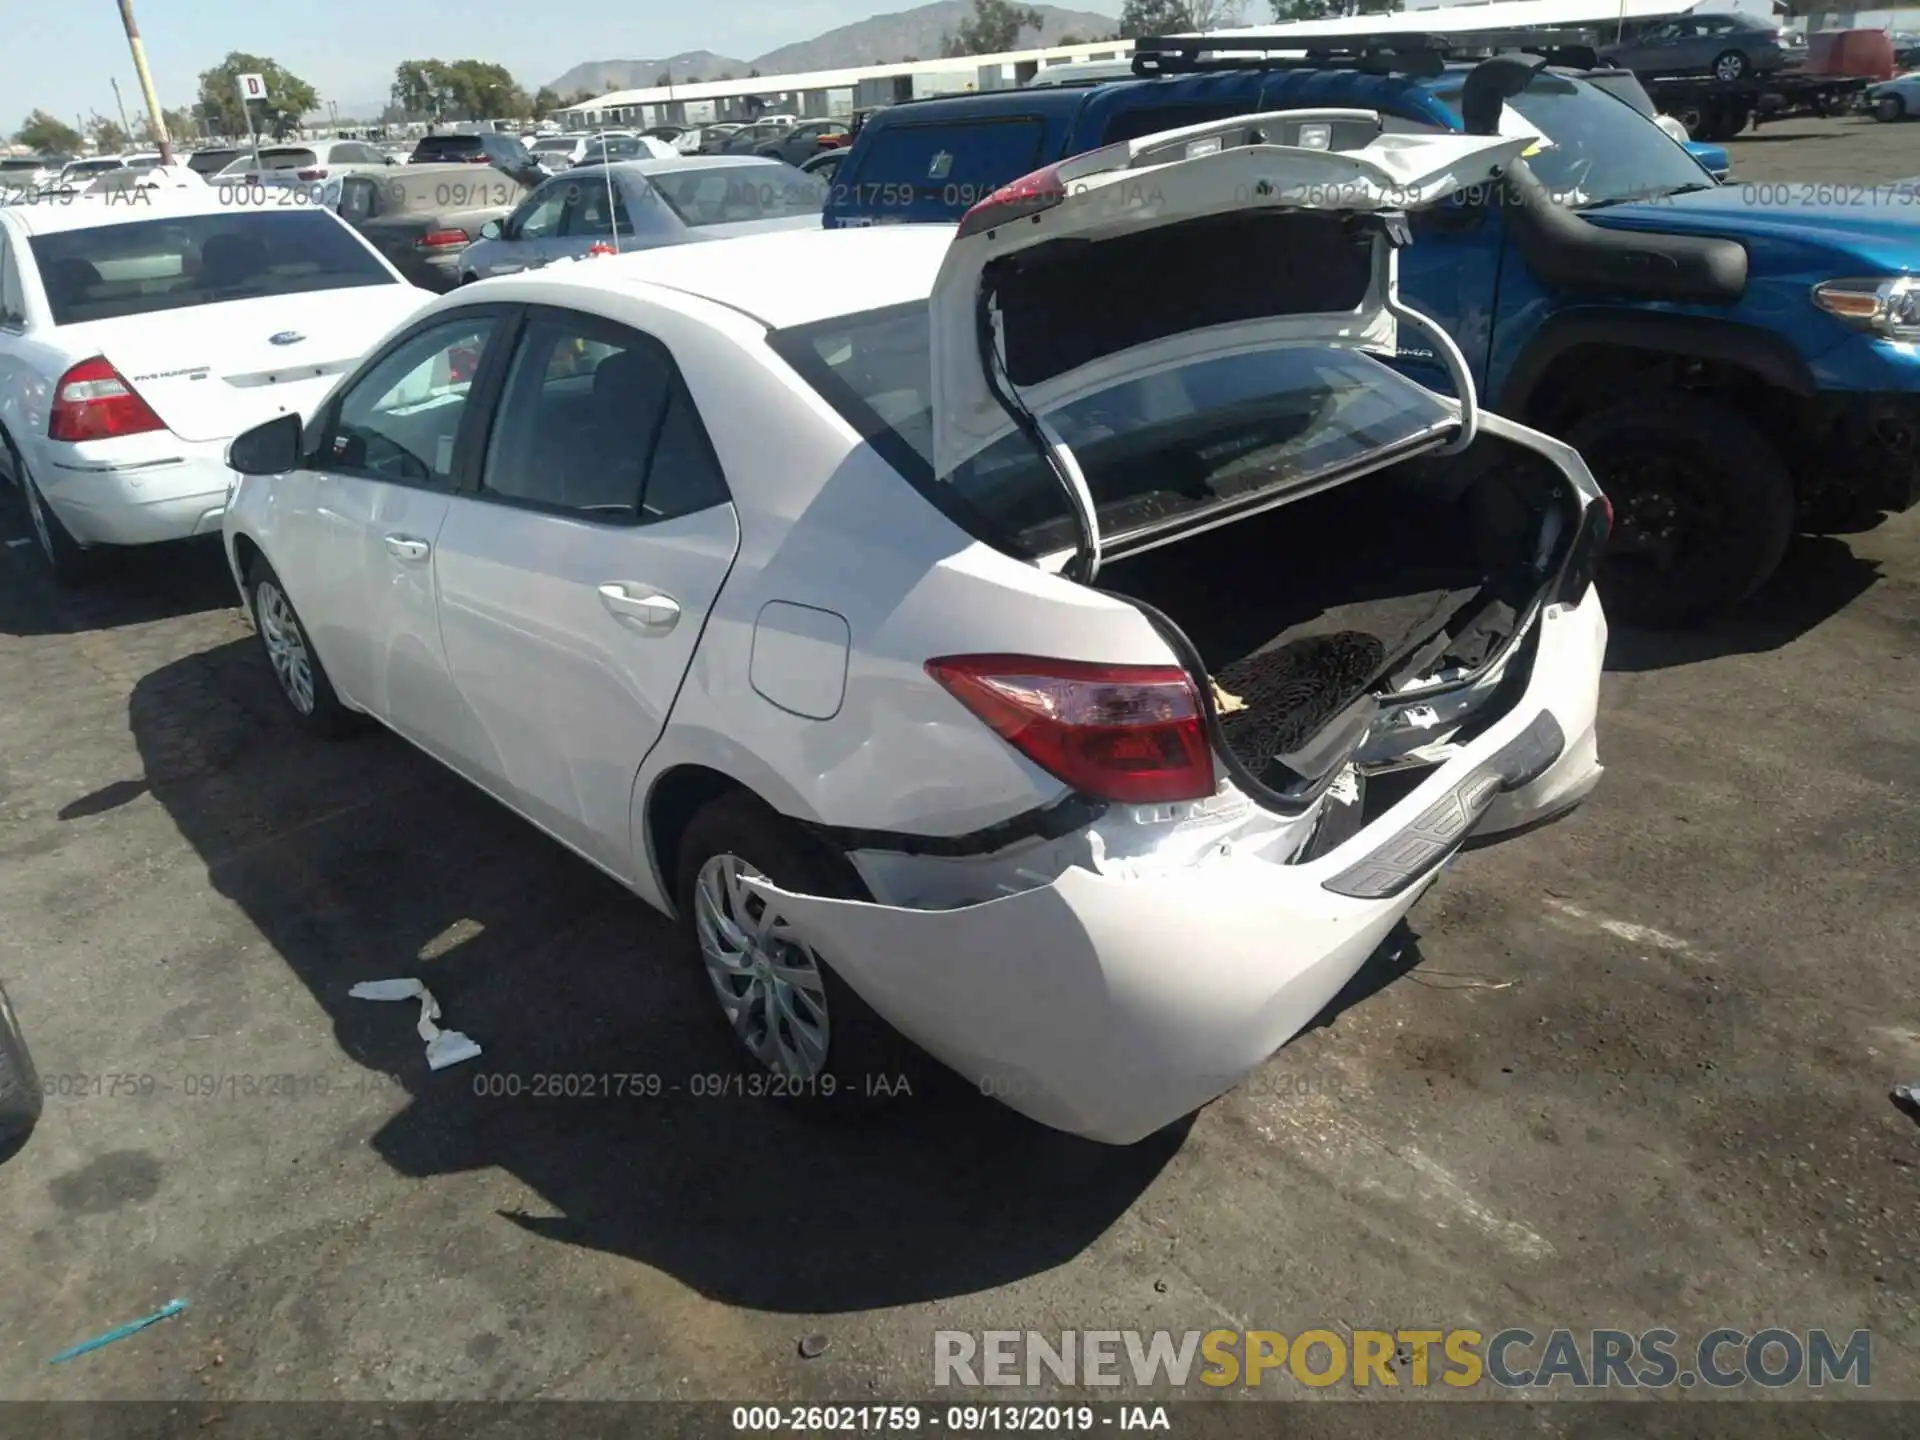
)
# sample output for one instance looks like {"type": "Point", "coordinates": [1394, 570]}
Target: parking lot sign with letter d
{"type": "Point", "coordinates": [252, 87]}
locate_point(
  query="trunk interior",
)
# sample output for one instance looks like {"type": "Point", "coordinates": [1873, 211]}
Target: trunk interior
{"type": "Point", "coordinates": [1302, 616]}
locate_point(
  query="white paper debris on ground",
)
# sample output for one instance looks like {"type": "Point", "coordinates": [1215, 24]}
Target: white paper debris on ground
{"type": "Point", "coordinates": [444, 1047]}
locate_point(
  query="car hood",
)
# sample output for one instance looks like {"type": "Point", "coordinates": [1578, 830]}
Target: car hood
{"type": "Point", "coordinates": [1872, 225]}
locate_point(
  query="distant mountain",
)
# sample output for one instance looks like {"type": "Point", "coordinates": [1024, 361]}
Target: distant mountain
{"type": "Point", "coordinates": [884, 39]}
{"type": "Point", "coordinates": [880, 40]}
{"type": "Point", "coordinates": [601, 76]}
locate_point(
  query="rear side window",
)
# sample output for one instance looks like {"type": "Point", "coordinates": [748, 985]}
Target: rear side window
{"type": "Point", "coordinates": [948, 167]}
{"type": "Point", "coordinates": [594, 422]}
{"type": "Point", "coordinates": [106, 271]}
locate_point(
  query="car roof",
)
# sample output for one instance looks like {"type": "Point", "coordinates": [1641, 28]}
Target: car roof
{"type": "Point", "coordinates": [874, 268]}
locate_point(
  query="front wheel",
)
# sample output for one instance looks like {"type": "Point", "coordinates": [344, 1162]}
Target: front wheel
{"type": "Point", "coordinates": [20, 1098]}
{"type": "Point", "coordinates": [1889, 108]}
{"type": "Point", "coordinates": [1703, 507]}
{"type": "Point", "coordinates": [1730, 65]}
{"type": "Point", "coordinates": [799, 1030]}
{"type": "Point", "coordinates": [297, 670]}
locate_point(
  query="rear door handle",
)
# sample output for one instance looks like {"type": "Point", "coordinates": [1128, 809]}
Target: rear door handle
{"type": "Point", "coordinates": [648, 610]}
{"type": "Point", "coordinates": [408, 547]}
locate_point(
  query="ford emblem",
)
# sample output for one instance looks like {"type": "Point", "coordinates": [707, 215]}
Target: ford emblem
{"type": "Point", "coordinates": [286, 337]}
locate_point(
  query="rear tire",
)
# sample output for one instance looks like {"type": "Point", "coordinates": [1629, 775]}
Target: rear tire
{"type": "Point", "coordinates": [20, 1096]}
{"type": "Point", "coordinates": [70, 563]}
{"type": "Point", "coordinates": [297, 672]}
{"type": "Point", "coordinates": [1703, 507]}
{"type": "Point", "coordinates": [814, 1042]}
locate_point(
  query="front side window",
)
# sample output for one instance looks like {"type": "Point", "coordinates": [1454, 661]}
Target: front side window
{"type": "Point", "coordinates": [595, 422]}
{"type": "Point", "coordinates": [538, 217]}
{"type": "Point", "coordinates": [103, 272]}
{"type": "Point", "coordinates": [400, 421]}
{"type": "Point", "coordinates": [1603, 151]}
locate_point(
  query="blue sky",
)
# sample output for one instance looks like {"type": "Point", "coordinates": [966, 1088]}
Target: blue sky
{"type": "Point", "coordinates": [62, 57]}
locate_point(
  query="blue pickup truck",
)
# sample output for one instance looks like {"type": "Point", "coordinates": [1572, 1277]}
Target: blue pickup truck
{"type": "Point", "coordinates": [1735, 361]}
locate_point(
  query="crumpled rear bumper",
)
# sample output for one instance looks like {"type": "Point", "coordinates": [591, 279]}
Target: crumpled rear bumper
{"type": "Point", "coordinates": [1109, 1005]}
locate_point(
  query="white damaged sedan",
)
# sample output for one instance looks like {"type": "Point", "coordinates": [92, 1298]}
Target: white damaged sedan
{"type": "Point", "coordinates": [1059, 642]}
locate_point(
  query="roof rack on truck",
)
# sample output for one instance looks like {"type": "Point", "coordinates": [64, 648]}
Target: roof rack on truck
{"type": "Point", "coordinates": [1416, 53]}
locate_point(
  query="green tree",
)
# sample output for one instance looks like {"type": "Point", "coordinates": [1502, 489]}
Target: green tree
{"type": "Point", "coordinates": [107, 135]}
{"type": "Point", "coordinates": [182, 124]}
{"type": "Point", "coordinates": [545, 102]}
{"type": "Point", "coordinates": [1183, 17]}
{"type": "Point", "coordinates": [995, 27]}
{"type": "Point", "coordinates": [288, 96]}
{"type": "Point", "coordinates": [580, 97]}
{"type": "Point", "coordinates": [458, 89]}
{"type": "Point", "coordinates": [47, 134]}
{"type": "Point", "coordinates": [663, 80]}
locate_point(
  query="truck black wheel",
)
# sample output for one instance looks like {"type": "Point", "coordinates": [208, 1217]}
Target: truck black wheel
{"type": "Point", "coordinates": [1889, 108]}
{"type": "Point", "coordinates": [19, 1084]}
{"type": "Point", "coordinates": [1703, 507]}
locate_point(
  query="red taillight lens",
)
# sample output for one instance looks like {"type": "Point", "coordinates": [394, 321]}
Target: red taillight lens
{"type": "Point", "coordinates": [1016, 200]}
{"type": "Point", "coordinates": [1589, 549]}
{"type": "Point", "coordinates": [319, 174]}
{"type": "Point", "coordinates": [93, 402]}
{"type": "Point", "coordinates": [437, 239]}
{"type": "Point", "coordinates": [1131, 733]}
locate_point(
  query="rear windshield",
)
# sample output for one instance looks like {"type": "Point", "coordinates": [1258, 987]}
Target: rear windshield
{"type": "Point", "coordinates": [92, 167]}
{"type": "Point", "coordinates": [545, 146]}
{"type": "Point", "coordinates": [730, 194]}
{"type": "Point", "coordinates": [8, 165]}
{"type": "Point", "coordinates": [211, 162]}
{"type": "Point", "coordinates": [288, 157]}
{"type": "Point", "coordinates": [107, 271]}
{"type": "Point", "coordinates": [448, 147]}
{"type": "Point", "coordinates": [1180, 440]}
{"type": "Point", "coordinates": [949, 166]}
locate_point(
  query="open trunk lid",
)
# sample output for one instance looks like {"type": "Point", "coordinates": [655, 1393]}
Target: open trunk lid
{"type": "Point", "coordinates": [234, 365]}
{"type": "Point", "coordinates": [1261, 232]}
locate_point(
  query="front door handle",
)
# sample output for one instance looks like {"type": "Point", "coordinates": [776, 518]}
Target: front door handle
{"type": "Point", "coordinates": [647, 610]}
{"type": "Point", "coordinates": [408, 547]}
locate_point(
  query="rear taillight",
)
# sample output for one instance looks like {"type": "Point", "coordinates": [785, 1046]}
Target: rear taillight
{"type": "Point", "coordinates": [439, 239]}
{"type": "Point", "coordinates": [1131, 733]}
{"type": "Point", "coordinates": [1589, 548]}
{"type": "Point", "coordinates": [1016, 200]}
{"type": "Point", "coordinates": [93, 402]}
{"type": "Point", "coordinates": [319, 174]}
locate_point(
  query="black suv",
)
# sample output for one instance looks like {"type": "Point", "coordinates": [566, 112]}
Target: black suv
{"type": "Point", "coordinates": [503, 152]}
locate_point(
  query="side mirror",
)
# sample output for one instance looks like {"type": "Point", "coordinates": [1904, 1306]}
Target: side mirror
{"type": "Point", "coordinates": [491, 230]}
{"type": "Point", "coordinates": [271, 448]}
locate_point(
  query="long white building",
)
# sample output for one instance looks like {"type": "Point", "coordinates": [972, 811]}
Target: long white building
{"type": "Point", "coordinates": [837, 93]}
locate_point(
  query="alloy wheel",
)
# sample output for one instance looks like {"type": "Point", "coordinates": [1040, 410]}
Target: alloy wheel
{"type": "Point", "coordinates": [286, 646]}
{"type": "Point", "coordinates": [767, 979]}
{"type": "Point", "coordinates": [1730, 66]}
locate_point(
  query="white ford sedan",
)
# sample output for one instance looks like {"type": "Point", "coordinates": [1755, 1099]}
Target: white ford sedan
{"type": "Point", "coordinates": [1058, 642]}
{"type": "Point", "coordinates": [146, 323]}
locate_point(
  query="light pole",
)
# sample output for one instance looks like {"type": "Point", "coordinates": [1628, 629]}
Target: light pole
{"type": "Point", "coordinates": [154, 114]}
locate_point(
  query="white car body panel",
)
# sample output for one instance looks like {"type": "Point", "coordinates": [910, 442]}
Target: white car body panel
{"type": "Point", "coordinates": [1104, 982]}
{"type": "Point", "coordinates": [171, 484]}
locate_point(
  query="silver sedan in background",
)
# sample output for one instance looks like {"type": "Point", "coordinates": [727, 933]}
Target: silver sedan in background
{"type": "Point", "coordinates": [640, 204]}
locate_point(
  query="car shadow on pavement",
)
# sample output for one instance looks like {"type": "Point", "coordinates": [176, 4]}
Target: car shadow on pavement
{"type": "Point", "coordinates": [596, 1088]}
{"type": "Point", "coordinates": [1819, 577]}
{"type": "Point", "coordinates": [142, 584]}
